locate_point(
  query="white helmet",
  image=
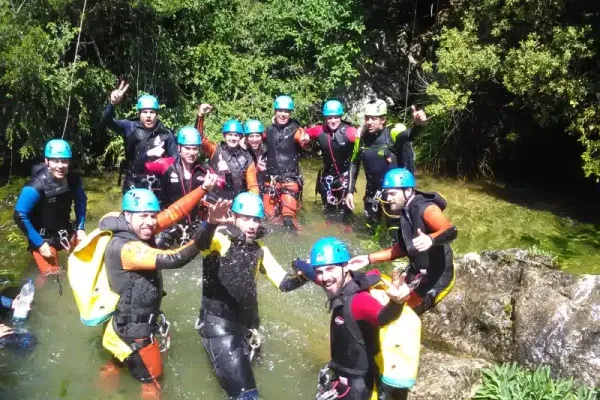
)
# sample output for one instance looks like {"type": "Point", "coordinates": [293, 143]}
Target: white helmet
{"type": "Point", "coordinates": [376, 108]}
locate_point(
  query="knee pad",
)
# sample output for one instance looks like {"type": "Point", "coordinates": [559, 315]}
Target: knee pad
{"type": "Point", "coordinates": [145, 364]}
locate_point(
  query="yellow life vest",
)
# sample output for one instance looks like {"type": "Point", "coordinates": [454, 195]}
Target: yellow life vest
{"type": "Point", "coordinates": [400, 344]}
{"type": "Point", "coordinates": [87, 276]}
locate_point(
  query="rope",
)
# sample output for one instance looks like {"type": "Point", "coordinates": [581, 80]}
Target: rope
{"type": "Point", "coordinates": [73, 66]}
{"type": "Point", "coordinates": [408, 57]}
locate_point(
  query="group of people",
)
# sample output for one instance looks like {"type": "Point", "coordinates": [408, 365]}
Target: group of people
{"type": "Point", "coordinates": [174, 208]}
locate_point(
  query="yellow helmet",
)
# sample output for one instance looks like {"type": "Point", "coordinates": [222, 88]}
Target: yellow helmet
{"type": "Point", "coordinates": [376, 108]}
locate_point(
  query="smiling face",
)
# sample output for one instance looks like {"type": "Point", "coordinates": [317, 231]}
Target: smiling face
{"type": "Point", "coordinates": [148, 118]}
{"type": "Point", "coordinates": [333, 122]}
{"type": "Point", "coordinates": [282, 117]}
{"type": "Point", "coordinates": [142, 224]}
{"type": "Point", "coordinates": [332, 279]}
{"type": "Point", "coordinates": [248, 225]}
{"type": "Point", "coordinates": [232, 139]}
{"type": "Point", "coordinates": [254, 140]}
{"type": "Point", "coordinates": [189, 154]}
{"type": "Point", "coordinates": [58, 167]}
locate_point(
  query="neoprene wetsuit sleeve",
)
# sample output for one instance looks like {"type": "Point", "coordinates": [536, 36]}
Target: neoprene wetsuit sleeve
{"type": "Point", "coordinates": [366, 308]}
{"type": "Point", "coordinates": [26, 202]}
{"type": "Point", "coordinates": [179, 209]}
{"type": "Point", "coordinates": [80, 205]}
{"type": "Point", "coordinates": [276, 274]}
{"type": "Point", "coordinates": [388, 254]}
{"type": "Point", "coordinates": [251, 179]}
{"type": "Point", "coordinates": [171, 145]}
{"type": "Point", "coordinates": [123, 127]}
{"type": "Point", "coordinates": [389, 312]}
{"type": "Point", "coordinates": [208, 147]}
{"type": "Point", "coordinates": [444, 231]}
{"type": "Point", "coordinates": [138, 255]}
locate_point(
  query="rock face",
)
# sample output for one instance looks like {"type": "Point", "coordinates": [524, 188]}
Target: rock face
{"type": "Point", "coordinates": [513, 306]}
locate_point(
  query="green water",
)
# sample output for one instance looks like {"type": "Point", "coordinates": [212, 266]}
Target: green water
{"type": "Point", "coordinates": [65, 363]}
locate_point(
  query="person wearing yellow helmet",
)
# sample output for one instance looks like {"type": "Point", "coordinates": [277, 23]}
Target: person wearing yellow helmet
{"type": "Point", "coordinates": [380, 148]}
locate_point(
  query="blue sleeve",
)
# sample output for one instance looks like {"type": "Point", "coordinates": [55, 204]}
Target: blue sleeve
{"type": "Point", "coordinates": [6, 302]}
{"type": "Point", "coordinates": [26, 202]}
{"type": "Point", "coordinates": [80, 205]}
{"type": "Point", "coordinates": [121, 126]}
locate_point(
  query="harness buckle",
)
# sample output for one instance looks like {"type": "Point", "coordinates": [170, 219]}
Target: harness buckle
{"type": "Point", "coordinates": [43, 232]}
{"type": "Point", "coordinates": [185, 234]}
{"type": "Point", "coordinates": [63, 236]}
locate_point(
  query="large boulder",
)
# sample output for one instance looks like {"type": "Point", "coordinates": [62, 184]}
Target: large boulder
{"type": "Point", "coordinates": [514, 306]}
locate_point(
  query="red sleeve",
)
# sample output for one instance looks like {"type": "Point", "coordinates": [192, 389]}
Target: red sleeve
{"type": "Point", "coordinates": [159, 166]}
{"type": "Point", "coordinates": [351, 133]}
{"type": "Point", "coordinates": [314, 131]}
{"type": "Point", "coordinates": [365, 307]}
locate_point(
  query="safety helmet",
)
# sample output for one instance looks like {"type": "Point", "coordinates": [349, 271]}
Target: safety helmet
{"type": "Point", "coordinates": [398, 178]}
{"type": "Point", "coordinates": [332, 108]}
{"type": "Point", "coordinates": [140, 200]}
{"type": "Point", "coordinates": [327, 251]}
{"type": "Point", "coordinates": [253, 126]}
{"type": "Point", "coordinates": [189, 136]}
{"type": "Point", "coordinates": [249, 204]}
{"type": "Point", "coordinates": [232, 126]}
{"type": "Point", "coordinates": [147, 101]}
{"type": "Point", "coordinates": [57, 148]}
{"type": "Point", "coordinates": [283, 103]}
{"type": "Point", "coordinates": [376, 108]}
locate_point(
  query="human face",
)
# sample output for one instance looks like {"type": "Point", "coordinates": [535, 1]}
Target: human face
{"type": "Point", "coordinates": [189, 154]}
{"type": "Point", "coordinates": [232, 139]}
{"type": "Point", "coordinates": [148, 118]}
{"type": "Point", "coordinates": [58, 167]}
{"type": "Point", "coordinates": [142, 224]}
{"type": "Point", "coordinates": [254, 140]}
{"type": "Point", "coordinates": [333, 122]}
{"type": "Point", "coordinates": [248, 225]}
{"type": "Point", "coordinates": [374, 124]}
{"type": "Point", "coordinates": [332, 279]}
{"type": "Point", "coordinates": [282, 117]}
{"type": "Point", "coordinates": [397, 198]}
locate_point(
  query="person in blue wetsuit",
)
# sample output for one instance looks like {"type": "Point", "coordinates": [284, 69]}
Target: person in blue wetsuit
{"type": "Point", "coordinates": [145, 139]}
{"type": "Point", "coordinates": [43, 210]}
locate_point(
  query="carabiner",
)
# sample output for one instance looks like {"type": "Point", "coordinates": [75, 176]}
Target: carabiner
{"type": "Point", "coordinates": [64, 239]}
{"type": "Point", "coordinates": [150, 179]}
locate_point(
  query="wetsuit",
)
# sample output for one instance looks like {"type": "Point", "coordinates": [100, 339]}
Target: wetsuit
{"type": "Point", "coordinates": [134, 272]}
{"type": "Point", "coordinates": [241, 176]}
{"type": "Point", "coordinates": [387, 149]}
{"type": "Point", "coordinates": [284, 185]}
{"type": "Point", "coordinates": [424, 212]}
{"type": "Point", "coordinates": [354, 336]}
{"type": "Point", "coordinates": [137, 141]}
{"type": "Point", "coordinates": [332, 180]}
{"type": "Point", "coordinates": [175, 186]}
{"type": "Point", "coordinates": [229, 309]}
{"type": "Point", "coordinates": [258, 156]}
{"type": "Point", "coordinates": [43, 213]}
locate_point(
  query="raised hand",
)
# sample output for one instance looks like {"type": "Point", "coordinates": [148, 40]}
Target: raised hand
{"type": "Point", "coordinates": [422, 242]}
{"type": "Point", "coordinates": [116, 96]}
{"type": "Point", "coordinates": [204, 109]}
{"type": "Point", "coordinates": [358, 262]}
{"type": "Point", "coordinates": [218, 213]}
{"type": "Point", "coordinates": [419, 117]}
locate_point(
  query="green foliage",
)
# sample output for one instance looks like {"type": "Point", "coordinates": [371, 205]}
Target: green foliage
{"type": "Point", "coordinates": [511, 382]}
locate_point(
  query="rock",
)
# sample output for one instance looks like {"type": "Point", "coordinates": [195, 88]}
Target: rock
{"type": "Point", "coordinates": [511, 305]}
{"type": "Point", "coordinates": [447, 377]}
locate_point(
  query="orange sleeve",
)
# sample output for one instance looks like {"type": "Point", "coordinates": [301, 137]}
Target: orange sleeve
{"type": "Point", "coordinates": [443, 231]}
{"type": "Point", "coordinates": [251, 179]}
{"type": "Point", "coordinates": [179, 209]}
{"type": "Point", "coordinates": [388, 254]}
{"type": "Point", "coordinates": [139, 256]}
{"type": "Point", "coordinates": [208, 147]}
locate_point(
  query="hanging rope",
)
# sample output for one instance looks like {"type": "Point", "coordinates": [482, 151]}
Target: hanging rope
{"type": "Point", "coordinates": [408, 58]}
{"type": "Point", "coordinates": [73, 67]}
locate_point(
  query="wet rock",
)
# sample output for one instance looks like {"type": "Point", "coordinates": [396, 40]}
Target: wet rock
{"type": "Point", "coordinates": [447, 377]}
{"type": "Point", "coordinates": [514, 306]}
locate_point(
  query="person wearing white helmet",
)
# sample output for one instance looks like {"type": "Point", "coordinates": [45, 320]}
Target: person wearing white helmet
{"type": "Point", "coordinates": [379, 149]}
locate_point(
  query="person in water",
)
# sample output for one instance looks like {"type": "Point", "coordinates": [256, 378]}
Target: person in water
{"type": "Point", "coordinates": [228, 322]}
{"type": "Point", "coordinates": [43, 209]}
{"type": "Point", "coordinates": [11, 338]}
{"type": "Point", "coordinates": [145, 139]}
{"type": "Point", "coordinates": [179, 176]}
{"type": "Point", "coordinates": [336, 140]}
{"type": "Point", "coordinates": [229, 157]}
{"type": "Point", "coordinates": [255, 131]}
{"type": "Point", "coordinates": [134, 269]}
{"type": "Point", "coordinates": [356, 317]}
{"type": "Point", "coordinates": [424, 233]}
{"type": "Point", "coordinates": [380, 148]}
{"type": "Point", "coordinates": [285, 140]}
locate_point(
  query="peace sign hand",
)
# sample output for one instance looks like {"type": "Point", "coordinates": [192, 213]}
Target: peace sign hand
{"type": "Point", "coordinates": [116, 96]}
{"type": "Point", "coordinates": [398, 290]}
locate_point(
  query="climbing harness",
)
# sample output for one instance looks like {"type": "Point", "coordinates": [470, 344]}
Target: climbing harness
{"type": "Point", "coordinates": [332, 195]}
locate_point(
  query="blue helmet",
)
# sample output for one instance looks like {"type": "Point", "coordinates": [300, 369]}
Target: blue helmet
{"type": "Point", "coordinates": [327, 251]}
{"type": "Point", "coordinates": [332, 108]}
{"type": "Point", "coordinates": [283, 103]}
{"type": "Point", "coordinates": [253, 126]}
{"type": "Point", "coordinates": [57, 148]}
{"type": "Point", "coordinates": [140, 200]}
{"type": "Point", "coordinates": [147, 102]}
{"type": "Point", "coordinates": [398, 178]}
{"type": "Point", "coordinates": [232, 126]}
{"type": "Point", "coordinates": [249, 204]}
{"type": "Point", "coordinates": [189, 136]}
